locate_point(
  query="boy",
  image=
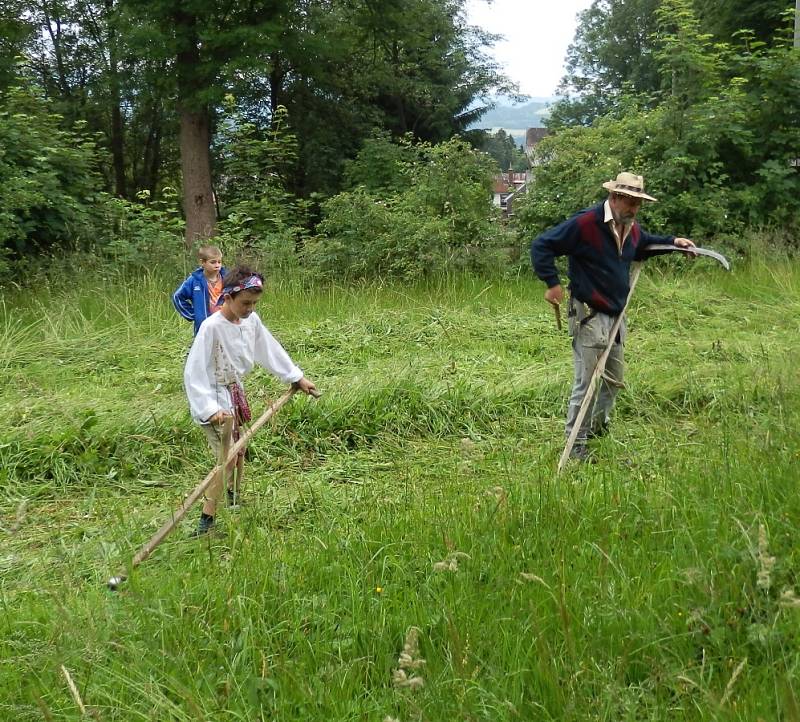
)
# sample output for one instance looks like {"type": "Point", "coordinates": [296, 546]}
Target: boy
{"type": "Point", "coordinates": [196, 298]}
{"type": "Point", "coordinates": [224, 351]}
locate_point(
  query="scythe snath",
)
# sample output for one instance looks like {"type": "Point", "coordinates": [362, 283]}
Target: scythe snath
{"type": "Point", "coordinates": [215, 475]}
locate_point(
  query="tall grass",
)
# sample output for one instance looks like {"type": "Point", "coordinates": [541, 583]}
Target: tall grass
{"type": "Point", "coordinates": [419, 492]}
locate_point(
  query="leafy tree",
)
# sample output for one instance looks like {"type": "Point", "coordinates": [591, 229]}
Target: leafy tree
{"type": "Point", "coordinates": [724, 18]}
{"type": "Point", "coordinates": [505, 151]}
{"type": "Point", "coordinates": [15, 32]}
{"type": "Point", "coordinates": [345, 69]}
{"type": "Point", "coordinates": [203, 45]}
{"type": "Point", "coordinates": [150, 75]}
{"type": "Point", "coordinates": [612, 54]}
{"type": "Point", "coordinates": [79, 56]}
{"type": "Point", "coordinates": [49, 186]}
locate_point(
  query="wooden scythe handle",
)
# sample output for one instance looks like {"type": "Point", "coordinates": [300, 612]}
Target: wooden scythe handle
{"type": "Point", "coordinates": [147, 549]}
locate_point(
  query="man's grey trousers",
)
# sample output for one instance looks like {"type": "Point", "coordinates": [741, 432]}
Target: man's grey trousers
{"type": "Point", "coordinates": [590, 332]}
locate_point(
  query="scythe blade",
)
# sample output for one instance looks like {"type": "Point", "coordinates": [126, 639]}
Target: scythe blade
{"type": "Point", "coordinates": [692, 250]}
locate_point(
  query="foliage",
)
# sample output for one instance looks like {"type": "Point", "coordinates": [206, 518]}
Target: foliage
{"type": "Point", "coordinates": [436, 214]}
{"type": "Point", "coordinates": [611, 55]}
{"type": "Point", "coordinates": [725, 18]}
{"type": "Point", "coordinates": [379, 165]}
{"type": "Point", "coordinates": [619, 48]}
{"type": "Point", "coordinates": [341, 69]}
{"type": "Point", "coordinates": [143, 233]}
{"type": "Point", "coordinates": [715, 150]}
{"type": "Point", "coordinates": [344, 70]}
{"type": "Point", "coordinates": [49, 185]}
{"type": "Point", "coordinates": [51, 196]}
{"type": "Point", "coordinates": [505, 151]}
{"type": "Point", "coordinates": [258, 214]}
{"type": "Point", "coordinates": [15, 32]}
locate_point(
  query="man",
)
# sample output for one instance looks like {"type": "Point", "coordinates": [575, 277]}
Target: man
{"type": "Point", "coordinates": [601, 243]}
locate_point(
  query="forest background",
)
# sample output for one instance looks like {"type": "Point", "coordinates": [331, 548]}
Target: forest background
{"type": "Point", "coordinates": [330, 136]}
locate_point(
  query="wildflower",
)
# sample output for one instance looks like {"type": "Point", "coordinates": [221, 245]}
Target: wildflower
{"type": "Point", "coordinates": [379, 590]}
{"type": "Point", "coordinates": [401, 680]}
{"type": "Point", "coordinates": [499, 493]}
{"type": "Point", "coordinates": [732, 681]}
{"type": "Point", "coordinates": [789, 599]}
{"type": "Point", "coordinates": [533, 578]}
{"type": "Point", "coordinates": [409, 659]}
{"type": "Point", "coordinates": [450, 563]}
{"type": "Point", "coordinates": [765, 561]}
{"type": "Point", "coordinates": [411, 651]}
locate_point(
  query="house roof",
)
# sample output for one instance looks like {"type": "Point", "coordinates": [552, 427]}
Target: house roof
{"type": "Point", "coordinates": [534, 135]}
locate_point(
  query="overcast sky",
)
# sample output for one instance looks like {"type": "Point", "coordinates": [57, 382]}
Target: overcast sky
{"type": "Point", "coordinates": [537, 33]}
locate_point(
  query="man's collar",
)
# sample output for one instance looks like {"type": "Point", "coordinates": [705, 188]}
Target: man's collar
{"type": "Point", "coordinates": [607, 209]}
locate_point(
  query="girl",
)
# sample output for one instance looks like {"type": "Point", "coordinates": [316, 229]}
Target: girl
{"type": "Point", "coordinates": [226, 348]}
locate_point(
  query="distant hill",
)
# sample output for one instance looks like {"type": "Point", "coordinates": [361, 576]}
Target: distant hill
{"type": "Point", "coordinates": [515, 119]}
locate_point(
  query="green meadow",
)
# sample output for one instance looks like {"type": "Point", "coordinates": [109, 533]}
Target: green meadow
{"type": "Point", "coordinates": [412, 513]}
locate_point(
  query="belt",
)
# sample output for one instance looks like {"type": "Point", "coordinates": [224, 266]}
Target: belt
{"type": "Point", "coordinates": [588, 312]}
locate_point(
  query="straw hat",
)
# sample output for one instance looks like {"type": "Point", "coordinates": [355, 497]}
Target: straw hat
{"type": "Point", "coordinates": [628, 184]}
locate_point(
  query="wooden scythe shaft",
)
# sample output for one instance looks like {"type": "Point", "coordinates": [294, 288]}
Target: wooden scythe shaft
{"type": "Point", "coordinates": [599, 368]}
{"type": "Point", "coordinates": [148, 548]}
{"type": "Point", "coordinates": [557, 312]}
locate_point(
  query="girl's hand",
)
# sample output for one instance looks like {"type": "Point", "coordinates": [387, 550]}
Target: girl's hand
{"type": "Point", "coordinates": [219, 417]}
{"type": "Point", "coordinates": [307, 386]}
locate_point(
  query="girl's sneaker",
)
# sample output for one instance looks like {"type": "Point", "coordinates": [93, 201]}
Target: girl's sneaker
{"type": "Point", "coordinates": [205, 525]}
{"type": "Point", "coordinates": [234, 499]}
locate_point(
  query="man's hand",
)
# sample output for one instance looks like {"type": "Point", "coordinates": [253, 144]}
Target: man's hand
{"type": "Point", "coordinates": [685, 243]}
{"type": "Point", "coordinates": [555, 295]}
{"type": "Point", "coordinates": [306, 386]}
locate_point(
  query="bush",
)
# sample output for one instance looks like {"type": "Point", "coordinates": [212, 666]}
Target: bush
{"type": "Point", "coordinates": [137, 234]}
{"type": "Point", "coordinates": [433, 214]}
{"type": "Point", "coordinates": [49, 185]}
{"type": "Point", "coordinates": [258, 214]}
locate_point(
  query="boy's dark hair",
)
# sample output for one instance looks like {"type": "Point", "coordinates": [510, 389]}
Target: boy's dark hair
{"type": "Point", "coordinates": [238, 275]}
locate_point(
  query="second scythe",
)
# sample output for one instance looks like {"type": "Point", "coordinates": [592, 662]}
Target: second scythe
{"type": "Point", "coordinates": [214, 475]}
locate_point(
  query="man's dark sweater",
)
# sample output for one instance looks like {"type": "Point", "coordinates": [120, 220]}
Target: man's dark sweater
{"type": "Point", "coordinates": [598, 273]}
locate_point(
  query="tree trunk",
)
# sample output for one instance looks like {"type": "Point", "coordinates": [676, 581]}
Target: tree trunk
{"type": "Point", "coordinates": [117, 146]}
{"type": "Point", "coordinates": [195, 135]}
{"type": "Point", "coordinates": [198, 197]}
{"type": "Point", "coordinates": [152, 166]}
{"type": "Point", "coordinates": [117, 126]}
{"type": "Point", "coordinates": [276, 83]}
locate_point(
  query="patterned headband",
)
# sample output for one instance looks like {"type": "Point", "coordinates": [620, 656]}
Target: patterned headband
{"type": "Point", "coordinates": [248, 283]}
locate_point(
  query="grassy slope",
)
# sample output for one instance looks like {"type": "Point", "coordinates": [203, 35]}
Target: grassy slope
{"type": "Point", "coordinates": [625, 590]}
